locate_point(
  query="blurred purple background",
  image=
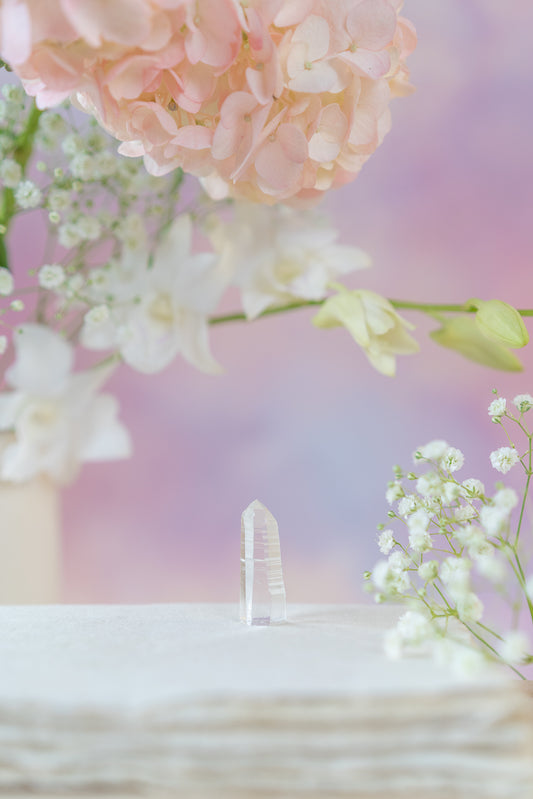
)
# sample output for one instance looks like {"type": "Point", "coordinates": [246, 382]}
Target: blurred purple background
{"type": "Point", "coordinates": [299, 419]}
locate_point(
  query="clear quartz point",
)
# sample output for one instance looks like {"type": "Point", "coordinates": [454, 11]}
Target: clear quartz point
{"type": "Point", "coordinates": [262, 586]}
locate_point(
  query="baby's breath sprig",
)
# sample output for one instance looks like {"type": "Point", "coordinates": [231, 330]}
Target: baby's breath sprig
{"type": "Point", "coordinates": [459, 545]}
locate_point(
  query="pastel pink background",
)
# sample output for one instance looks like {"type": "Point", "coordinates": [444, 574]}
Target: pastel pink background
{"type": "Point", "coordinates": [299, 419]}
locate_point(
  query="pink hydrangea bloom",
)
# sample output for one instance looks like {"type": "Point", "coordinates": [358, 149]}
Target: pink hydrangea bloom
{"type": "Point", "coordinates": [271, 100]}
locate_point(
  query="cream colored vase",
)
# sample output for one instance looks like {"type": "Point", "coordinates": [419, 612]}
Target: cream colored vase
{"type": "Point", "coordinates": [30, 543]}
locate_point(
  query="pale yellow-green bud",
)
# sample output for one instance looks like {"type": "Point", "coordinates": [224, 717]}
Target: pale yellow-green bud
{"type": "Point", "coordinates": [500, 322]}
{"type": "Point", "coordinates": [462, 334]}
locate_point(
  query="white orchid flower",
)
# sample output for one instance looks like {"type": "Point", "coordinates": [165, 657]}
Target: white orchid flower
{"type": "Point", "coordinates": [58, 419]}
{"type": "Point", "coordinates": [161, 310]}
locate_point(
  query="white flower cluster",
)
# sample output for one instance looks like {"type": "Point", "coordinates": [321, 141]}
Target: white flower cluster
{"type": "Point", "coordinates": [456, 544]}
{"type": "Point", "coordinates": [124, 272]}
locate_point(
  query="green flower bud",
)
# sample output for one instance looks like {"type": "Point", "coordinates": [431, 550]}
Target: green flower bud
{"type": "Point", "coordinates": [502, 323]}
{"type": "Point", "coordinates": [463, 334]}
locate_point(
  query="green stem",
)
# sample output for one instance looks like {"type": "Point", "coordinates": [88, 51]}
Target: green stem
{"type": "Point", "coordinates": [21, 154]}
{"type": "Point", "coordinates": [423, 307]}
{"type": "Point", "coordinates": [491, 648]}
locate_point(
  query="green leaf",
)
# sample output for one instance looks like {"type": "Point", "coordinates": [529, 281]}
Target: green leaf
{"type": "Point", "coordinates": [501, 323]}
{"type": "Point", "coordinates": [463, 334]}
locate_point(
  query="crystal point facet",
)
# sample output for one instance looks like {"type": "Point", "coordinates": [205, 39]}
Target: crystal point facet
{"type": "Point", "coordinates": [262, 586]}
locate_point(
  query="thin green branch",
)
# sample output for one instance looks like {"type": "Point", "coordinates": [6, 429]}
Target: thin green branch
{"type": "Point", "coordinates": [423, 307]}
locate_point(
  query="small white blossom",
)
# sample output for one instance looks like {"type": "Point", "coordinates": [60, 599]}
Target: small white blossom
{"type": "Point", "coordinates": [465, 662]}
{"type": "Point", "coordinates": [3, 344]}
{"type": "Point", "coordinates": [73, 144]}
{"type": "Point", "coordinates": [420, 540]}
{"type": "Point", "coordinates": [6, 282]}
{"type": "Point", "coordinates": [105, 165]}
{"type": "Point", "coordinates": [390, 579]}
{"type": "Point", "coordinates": [399, 561]}
{"type": "Point", "coordinates": [497, 407]}
{"type": "Point", "coordinates": [51, 276]}
{"type": "Point", "coordinates": [433, 451]}
{"type": "Point", "coordinates": [408, 505]}
{"type": "Point", "coordinates": [515, 647]}
{"type": "Point", "coordinates": [10, 173]}
{"type": "Point", "coordinates": [392, 644]}
{"type": "Point", "coordinates": [17, 305]}
{"type": "Point", "coordinates": [59, 418]}
{"type": "Point", "coordinates": [27, 194]}
{"type": "Point", "coordinates": [89, 228]}
{"type": "Point", "coordinates": [493, 518]}
{"type": "Point", "coordinates": [465, 513]}
{"type": "Point", "coordinates": [506, 499]}
{"type": "Point", "coordinates": [413, 633]}
{"type": "Point", "coordinates": [428, 570]}
{"type": "Point", "coordinates": [469, 607]}
{"type": "Point", "coordinates": [69, 236]}
{"type": "Point", "coordinates": [524, 402]}
{"type": "Point", "coordinates": [97, 315]}
{"type": "Point", "coordinates": [450, 492]}
{"type": "Point", "coordinates": [82, 167]}
{"type": "Point", "coordinates": [473, 488]}
{"type": "Point", "coordinates": [429, 485]}
{"type": "Point", "coordinates": [131, 231]}
{"type": "Point", "coordinates": [504, 458]}
{"type": "Point", "coordinates": [386, 542]}
{"type": "Point", "coordinates": [492, 568]}
{"type": "Point", "coordinates": [455, 574]}
{"type": "Point", "coordinates": [394, 492]}
{"type": "Point", "coordinates": [453, 459]}
{"type": "Point", "coordinates": [469, 534]}
{"type": "Point", "coordinates": [59, 199]}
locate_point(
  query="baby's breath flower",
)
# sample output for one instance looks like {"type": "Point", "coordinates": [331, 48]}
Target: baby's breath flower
{"type": "Point", "coordinates": [69, 236]}
{"type": "Point", "coordinates": [472, 488]}
{"type": "Point", "coordinates": [6, 282]}
{"type": "Point", "coordinates": [27, 194]}
{"type": "Point", "coordinates": [494, 519]}
{"type": "Point", "coordinates": [465, 513]}
{"type": "Point", "coordinates": [72, 144]}
{"type": "Point", "coordinates": [429, 485]}
{"type": "Point", "coordinates": [450, 491]}
{"type": "Point", "coordinates": [433, 451]}
{"type": "Point", "coordinates": [394, 492]}
{"type": "Point", "coordinates": [455, 574]}
{"type": "Point", "coordinates": [515, 647]}
{"type": "Point", "coordinates": [408, 505]}
{"type": "Point", "coordinates": [105, 164]}
{"type": "Point", "coordinates": [17, 305]}
{"type": "Point", "coordinates": [428, 570]}
{"type": "Point", "coordinates": [97, 316]}
{"type": "Point", "coordinates": [469, 607]}
{"type": "Point", "coordinates": [13, 93]}
{"type": "Point", "coordinates": [82, 167]}
{"type": "Point", "coordinates": [504, 458]}
{"type": "Point", "coordinates": [59, 199]}
{"type": "Point", "coordinates": [51, 276]}
{"type": "Point", "coordinates": [10, 173]}
{"type": "Point", "coordinates": [3, 344]}
{"type": "Point", "coordinates": [89, 228]}
{"type": "Point", "coordinates": [497, 407]}
{"type": "Point", "coordinates": [453, 459]}
{"type": "Point", "coordinates": [524, 402]}
{"type": "Point", "coordinates": [386, 542]}
{"type": "Point", "coordinates": [506, 499]}
{"type": "Point", "coordinates": [492, 568]}
{"type": "Point", "coordinates": [399, 561]}
{"type": "Point", "coordinates": [420, 540]}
